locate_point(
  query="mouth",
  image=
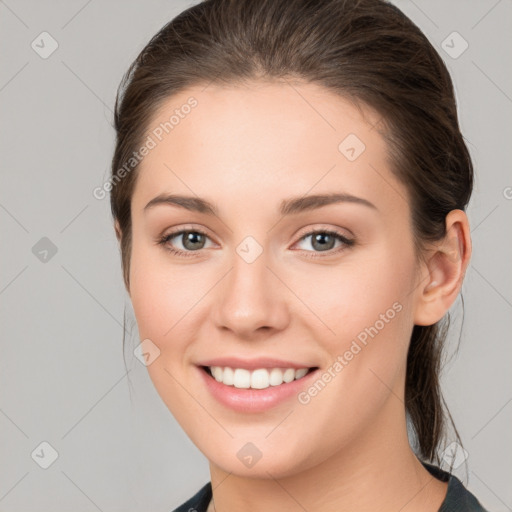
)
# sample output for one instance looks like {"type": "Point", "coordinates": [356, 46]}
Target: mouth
{"type": "Point", "coordinates": [259, 378]}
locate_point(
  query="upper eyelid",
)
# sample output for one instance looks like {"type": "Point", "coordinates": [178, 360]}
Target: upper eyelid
{"type": "Point", "coordinates": [324, 227]}
{"type": "Point", "coordinates": [304, 231]}
{"type": "Point", "coordinates": [183, 230]}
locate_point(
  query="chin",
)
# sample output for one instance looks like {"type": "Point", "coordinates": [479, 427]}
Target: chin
{"type": "Point", "coordinates": [258, 459]}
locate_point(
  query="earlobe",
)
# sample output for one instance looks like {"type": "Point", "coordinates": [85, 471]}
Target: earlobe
{"type": "Point", "coordinates": [444, 270]}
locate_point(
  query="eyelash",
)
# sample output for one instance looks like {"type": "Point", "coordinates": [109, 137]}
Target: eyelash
{"type": "Point", "coordinates": [311, 254]}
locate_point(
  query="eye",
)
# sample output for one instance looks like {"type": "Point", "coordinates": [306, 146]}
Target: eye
{"type": "Point", "coordinates": [324, 241]}
{"type": "Point", "coordinates": [191, 241]}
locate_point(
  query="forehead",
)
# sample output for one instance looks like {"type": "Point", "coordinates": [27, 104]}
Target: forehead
{"type": "Point", "coordinates": [267, 141]}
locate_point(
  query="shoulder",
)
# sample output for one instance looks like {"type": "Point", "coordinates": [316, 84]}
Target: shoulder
{"type": "Point", "coordinates": [199, 502]}
{"type": "Point", "coordinates": [458, 498]}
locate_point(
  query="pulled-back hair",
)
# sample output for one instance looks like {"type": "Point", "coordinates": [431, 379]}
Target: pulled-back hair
{"type": "Point", "coordinates": [368, 52]}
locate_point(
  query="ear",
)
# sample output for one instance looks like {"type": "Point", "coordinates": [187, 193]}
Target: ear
{"type": "Point", "coordinates": [119, 235]}
{"type": "Point", "coordinates": [117, 230]}
{"type": "Point", "coordinates": [443, 271]}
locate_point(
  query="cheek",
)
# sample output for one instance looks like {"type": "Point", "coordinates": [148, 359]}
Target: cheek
{"type": "Point", "coordinates": [156, 293]}
{"type": "Point", "coordinates": [169, 302]}
{"type": "Point", "coordinates": [346, 299]}
{"type": "Point", "coordinates": [161, 297]}
{"type": "Point", "coordinates": [365, 315]}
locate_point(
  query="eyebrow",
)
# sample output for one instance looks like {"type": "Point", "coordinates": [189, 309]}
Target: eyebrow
{"type": "Point", "coordinates": [289, 206]}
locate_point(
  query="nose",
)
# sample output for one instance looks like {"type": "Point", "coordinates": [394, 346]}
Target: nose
{"type": "Point", "coordinates": [251, 299]}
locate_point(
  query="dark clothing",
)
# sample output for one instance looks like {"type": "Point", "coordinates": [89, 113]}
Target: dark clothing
{"type": "Point", "coordinates": [458, 498]}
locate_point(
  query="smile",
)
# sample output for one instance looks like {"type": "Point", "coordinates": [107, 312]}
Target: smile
{"type": "Point", "coordinates": [255, 389]}
{"type": "Point", "coordinates": [260, 378]}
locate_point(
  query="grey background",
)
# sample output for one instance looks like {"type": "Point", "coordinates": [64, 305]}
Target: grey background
{"type": "Point", "coordinates": [62, 375]}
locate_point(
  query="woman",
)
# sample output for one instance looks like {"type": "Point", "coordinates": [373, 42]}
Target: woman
{"type": "Point", "coordinates": [289, 187]}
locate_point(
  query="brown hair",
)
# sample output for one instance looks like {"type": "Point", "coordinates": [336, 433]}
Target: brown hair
{"type": "Point", "coordinates": [367, 51]}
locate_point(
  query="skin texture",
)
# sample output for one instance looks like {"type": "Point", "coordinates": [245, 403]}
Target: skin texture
{"type": "Point", "coordinates": [245, 148]}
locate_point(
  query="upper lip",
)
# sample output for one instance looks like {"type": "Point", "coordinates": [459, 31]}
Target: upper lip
{"type": "Point", "coordinates": [253, 364]}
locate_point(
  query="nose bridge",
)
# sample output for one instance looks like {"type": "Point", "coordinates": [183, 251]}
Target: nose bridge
{"type": "Point", "coordinates": [249, 279]}
{"type": "Point", "coordinates": [251, 296]}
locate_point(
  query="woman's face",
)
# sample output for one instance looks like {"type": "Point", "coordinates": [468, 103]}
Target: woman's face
{"type": "Point", "coordinates": [256, 290]}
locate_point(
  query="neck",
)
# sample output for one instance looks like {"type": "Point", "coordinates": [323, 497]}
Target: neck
{"type": "Point", "coordinates": [378, 471]}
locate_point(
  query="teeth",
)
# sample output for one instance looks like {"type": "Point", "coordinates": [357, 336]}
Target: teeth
{"type": "Point", "coordinates": [257, 379]}
{"type": "Point", "coordinates": [228, 376]}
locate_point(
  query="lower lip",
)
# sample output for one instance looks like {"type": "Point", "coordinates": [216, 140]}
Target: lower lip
{"type": "Point", "coordinates": [254, 400]}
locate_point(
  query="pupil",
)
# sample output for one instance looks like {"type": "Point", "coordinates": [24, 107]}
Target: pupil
{"type": "Point", "coordinates": [192, 237]}
{"type": "Point", "coordinates": [320, 238]}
